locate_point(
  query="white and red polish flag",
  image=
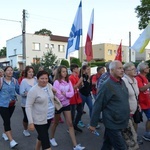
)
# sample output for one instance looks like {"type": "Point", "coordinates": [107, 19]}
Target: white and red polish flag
{"type": "Point", "coordinates": [89, 38]}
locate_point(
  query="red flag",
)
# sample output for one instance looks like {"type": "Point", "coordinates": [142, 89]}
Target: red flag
{"type": "Point", "coordinates": [89, 38]}
{"type": "Point", "coordinates": [119, 52]}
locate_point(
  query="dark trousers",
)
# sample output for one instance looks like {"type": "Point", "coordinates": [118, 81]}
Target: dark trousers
{"type": "Point", "coordinates": [113, 139]}
{"type": "Point", "coordinates": [25, 119]}
{"type": "Point", "coordinates": [6, 114]}
{"type": "Point", "coordinates": [43, 135]}
{"type": "Point", "coordinates": [76, 117]}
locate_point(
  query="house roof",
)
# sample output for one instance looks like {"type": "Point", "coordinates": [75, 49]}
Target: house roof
{"type": "Point", "coordinates": [59, 38]}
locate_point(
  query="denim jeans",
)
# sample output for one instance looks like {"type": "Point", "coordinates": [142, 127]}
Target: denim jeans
{"type": "Point", "coordinates": [88, 101]}
{"type": "Point", "coordinates": [113, 139]}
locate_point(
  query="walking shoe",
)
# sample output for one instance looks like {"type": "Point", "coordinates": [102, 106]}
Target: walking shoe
{"type": "Point", "coordinates": [4, 136]}
{"type": "Point", "coordinates": [26, 133]}
{"type": "Point", "coordinates": [139, 140]}
{"type": "Point", "coordinates": [78, 147]}
{"type": "Point", "coordinates": [84, 112]}
{"type": "Point", "coordinates": [81, 124]}
{"type": "Point", "coordinates": [77, 129]}
{"type": "Point", "coordinates": [98, 126]}
{"type": "Point", "coordinates": [146, 137]}
{"type": "Point", "coordinates": [53, 142]}
{"type": "Point", "coordinates": [13, 143]}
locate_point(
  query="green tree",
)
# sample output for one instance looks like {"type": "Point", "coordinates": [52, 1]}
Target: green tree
{"type": "Point", "coordinates": [143, 13]}
{"type": "Point", "coordinates": [3, 52]}
{"type": "Point", "coordinates": [36, 66]}
{"type": "Point", "coordinates": [43, 32]}
{"type": "Point", "coordinates": [48, 60]}
{"type": "Point", "coordinates": [76, 61]}
{"type": "Point", "coordinates": [65, 63]}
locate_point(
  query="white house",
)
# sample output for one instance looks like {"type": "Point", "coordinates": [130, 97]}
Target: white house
{"type": "Point", "coordinates": [36, 45]}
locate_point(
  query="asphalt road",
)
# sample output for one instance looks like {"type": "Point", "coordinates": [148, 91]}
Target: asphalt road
{"type": "Point", "coordinates": [87, 139]}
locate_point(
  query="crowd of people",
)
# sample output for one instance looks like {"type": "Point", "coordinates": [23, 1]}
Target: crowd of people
{"type": "Point", "coordinates": [113, 95]}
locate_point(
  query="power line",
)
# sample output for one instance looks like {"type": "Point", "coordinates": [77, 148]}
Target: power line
{"type": "Point", "coordinates": [10, 20]}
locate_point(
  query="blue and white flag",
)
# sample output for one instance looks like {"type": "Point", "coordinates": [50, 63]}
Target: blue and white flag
{"type": "Point", "coordinates": [76, 31]}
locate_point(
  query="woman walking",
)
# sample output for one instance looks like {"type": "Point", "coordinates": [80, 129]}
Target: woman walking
{"type": "Point", "coordinates": [8, 88]}
{"type": "Point", "coordinates": [40, 109]}
{"type": "Point", "coordinates": [131, 84]}
{"type": "Point", "coordinates": [64, 91]}
{"type": "Point", "coordinates": [26, 84]}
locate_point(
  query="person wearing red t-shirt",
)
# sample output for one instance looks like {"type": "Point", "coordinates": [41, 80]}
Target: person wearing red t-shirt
{"type": "Point", "coordinates": [144, 96]}
{"type": "Point", "coordinates": [94, 79]}
{"type": "Point", "coordinates": [76, 101]}
{"type": "Point", "coordinates": [21, 77]}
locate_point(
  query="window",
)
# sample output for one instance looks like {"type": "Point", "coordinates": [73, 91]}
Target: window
{"type": "Point", "coordinates": [132, 53]}
{"type": "Point", "coordinates": [52, 45]}
{"type": "Point", "coordinates": [15, 51]}
{"type": "Point", "coordinates": [36, 46]}
{"type": "Point", "coordinates": [148, 55]}
{"type": "Point", "coordinates": [11, 62]}
{"type": "Point", "coordinates": [36, 60]}
{"type": "Point", "coordinates": [109, 52]}
{"type": "Point", "coordinates": [47, 46]}
{"type": "Point", "coordinates": [61, 48]}
{"type": "Point", "coordinates": [114, 51]}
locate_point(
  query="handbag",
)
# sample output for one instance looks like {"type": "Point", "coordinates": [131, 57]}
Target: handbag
{"type": "Point", "coordinates": [130, 136]}
{"type": "Point", "coordinates": [12, 103]}
{"type": "Point", "coordinates": [57, 103]}
{"type": "Point", "coordinates": [137, 117]}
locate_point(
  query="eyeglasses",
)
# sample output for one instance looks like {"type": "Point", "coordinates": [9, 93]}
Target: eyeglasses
{"type": "Point", "coordinates": [133, 69]}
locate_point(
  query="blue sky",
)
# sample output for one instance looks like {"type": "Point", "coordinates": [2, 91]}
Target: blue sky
{"type": "Point", "coordinates": [112, 21]}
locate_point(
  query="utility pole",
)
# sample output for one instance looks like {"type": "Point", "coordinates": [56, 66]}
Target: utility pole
{"type": "Point", "coordinates": [130, 47]}
{"type": "Point", "coordinates": [24, 38]}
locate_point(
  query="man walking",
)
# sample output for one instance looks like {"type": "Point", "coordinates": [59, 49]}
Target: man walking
{"type": "Point", "coordinates": [112, 100]}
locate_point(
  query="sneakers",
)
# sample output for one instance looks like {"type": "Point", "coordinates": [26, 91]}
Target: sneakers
{"type": "Point", "coordinates": [146, 136]}
{"type": "Point", "coordinates": [26, 133]}
{"type": "Point", "coordinates": [13, 143]}
{"type": "Point", "coordinates": [139, 140]}
{"type": "Point", "coordinates": [81, 124]}
{"type": "Point", "coordinates": [4, 136]}
{"type": "Point", "coordinates": [53, 142]}
{"type": "Point", "coordinates": [98, 126]}
{"type": "Point", "coordinates": [77, 129]}
{"type": "Point", "coordinates": [78, 147]}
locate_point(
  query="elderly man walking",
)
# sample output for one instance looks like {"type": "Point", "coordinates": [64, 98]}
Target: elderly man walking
{"type": "Point", "coordinates": [112, 100]}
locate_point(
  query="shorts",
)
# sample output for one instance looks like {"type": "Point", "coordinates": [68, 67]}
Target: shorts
{"type": "Point", "coordinates": [147, 113]}
{"type": "Point", "coordinates": [65, 108]}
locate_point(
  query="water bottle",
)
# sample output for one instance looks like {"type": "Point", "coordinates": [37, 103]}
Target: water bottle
{"type": "Point", "coordinates": [94, 132]}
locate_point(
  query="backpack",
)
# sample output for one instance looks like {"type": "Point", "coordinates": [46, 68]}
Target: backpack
{"type": "Point", "coordinates": [2, 79]}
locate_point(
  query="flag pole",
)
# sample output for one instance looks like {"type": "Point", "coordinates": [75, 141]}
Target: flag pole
{"type": "Point", "coordinates": [81, 56]}
{"type": "Point", "coordinates": [81, 52]}
{"type": "Point", "coordinates": [129, 46]}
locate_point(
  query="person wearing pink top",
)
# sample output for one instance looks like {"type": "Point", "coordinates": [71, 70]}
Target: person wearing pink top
{"type": "Point", "coordinates": [64, 91]}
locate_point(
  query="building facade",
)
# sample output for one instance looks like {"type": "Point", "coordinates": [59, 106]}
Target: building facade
{"type": "Point", "coordinates": [107, 52]}
{"type": "Point", "coordinates": [143, 56]}
{"type": "Point", "coordinates": [36, 46]}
